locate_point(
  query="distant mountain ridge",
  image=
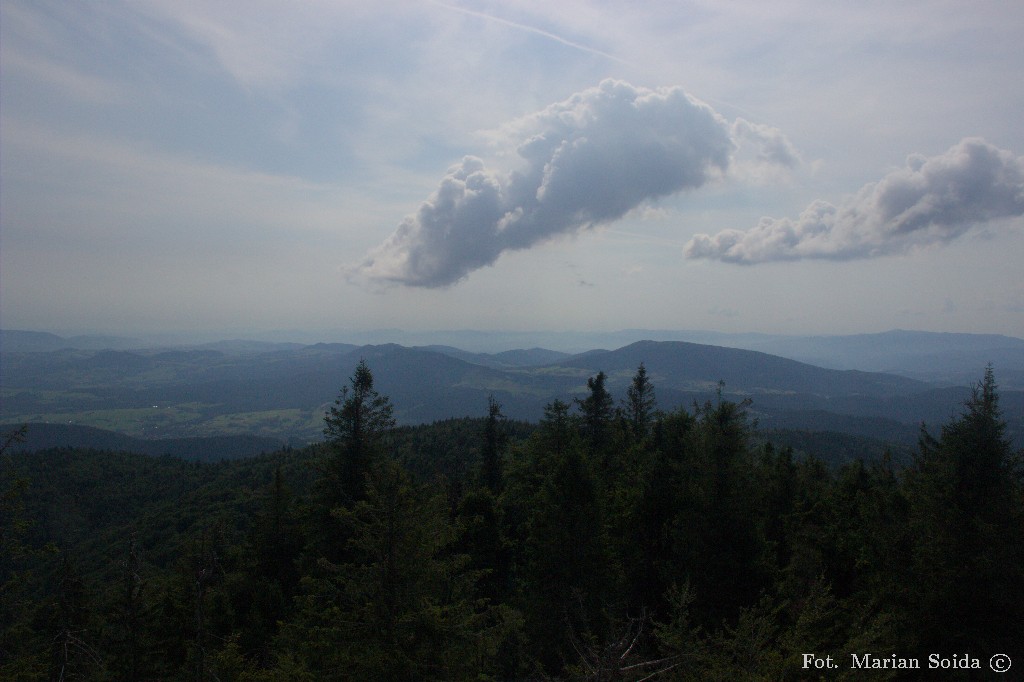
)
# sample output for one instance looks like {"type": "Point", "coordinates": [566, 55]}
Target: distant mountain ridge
{"type": "Point", "coordinates": [530, 357]}
{"type": "Point", "coordinates": [940, 357]}
{"type": "Point", "coordinates": [283, 392]}
{"type": "Point", "coordinates": [943, 358]}
{"type": "Point", "coordinates": [690, 365]}
{"type": "Point", "coordinates": [12, 340]}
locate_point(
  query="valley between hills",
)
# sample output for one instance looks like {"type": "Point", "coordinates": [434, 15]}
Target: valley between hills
{"type": "Point", "coordinates": [237, 398]}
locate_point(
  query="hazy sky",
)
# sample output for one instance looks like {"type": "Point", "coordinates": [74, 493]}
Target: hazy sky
{"type": "Point", "coordinates": [785, 167]}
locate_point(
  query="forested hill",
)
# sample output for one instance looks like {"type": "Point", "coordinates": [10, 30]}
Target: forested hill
{"type": "Point", "coordinates": [690, 366]}
{"type": "Point", "coordinates": [42, 436]}
{"type": "Point", "coordinates": [609, 540]}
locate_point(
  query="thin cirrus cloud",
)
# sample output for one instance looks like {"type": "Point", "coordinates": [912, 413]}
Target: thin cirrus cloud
{"type": "Point", "coordinates": [929, 201]}
{"type": "Point", "coordinates": [585, 161]}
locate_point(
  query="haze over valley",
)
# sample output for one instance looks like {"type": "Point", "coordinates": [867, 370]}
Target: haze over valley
{"type": "Point", "coordinates": [880, 386]}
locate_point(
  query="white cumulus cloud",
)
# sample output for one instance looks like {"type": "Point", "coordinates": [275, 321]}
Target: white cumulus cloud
{"type": "Point", "coordinates": [585, 161]}
{"type": "Point", "coordinates": [928, 201]}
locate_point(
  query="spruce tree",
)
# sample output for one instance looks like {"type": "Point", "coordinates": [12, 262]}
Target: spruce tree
{"type": "Point", "coordinates": [640, 403]}
{"type": "Point", "coordinates": [596, 413]}
{"type": "Point", "coordinates": [355, 427]}
{"type": "Point", "coordinates": [967, 525]}
{"type": "Point", "coordinates": [403, 606]}
{"type": "Point", "coordinates": [493, 438]}
{"type": "Point", "coordinates": [565, 560]}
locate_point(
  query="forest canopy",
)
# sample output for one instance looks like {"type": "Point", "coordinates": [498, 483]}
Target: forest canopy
{"type": "Point", "coordinates": [610, 541]}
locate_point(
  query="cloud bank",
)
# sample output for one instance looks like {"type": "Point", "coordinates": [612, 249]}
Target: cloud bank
{"type": "Point", "coordinates": [585, 161]}
{"type": "Point", "coordinates": [929, 201]}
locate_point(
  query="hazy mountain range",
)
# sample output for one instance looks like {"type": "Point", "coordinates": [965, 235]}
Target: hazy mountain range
{"type": "Point", "coordinates": [951, 358]}
{"type": "Point", "coordinates": [280, 390]}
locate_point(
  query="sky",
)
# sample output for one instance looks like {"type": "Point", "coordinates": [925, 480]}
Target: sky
{"type": "Point", "coordinates": [234, 168]}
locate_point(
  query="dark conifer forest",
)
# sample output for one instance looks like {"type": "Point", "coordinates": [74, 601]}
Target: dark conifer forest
{"type": "Point", "coordinates": [612, 540]}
